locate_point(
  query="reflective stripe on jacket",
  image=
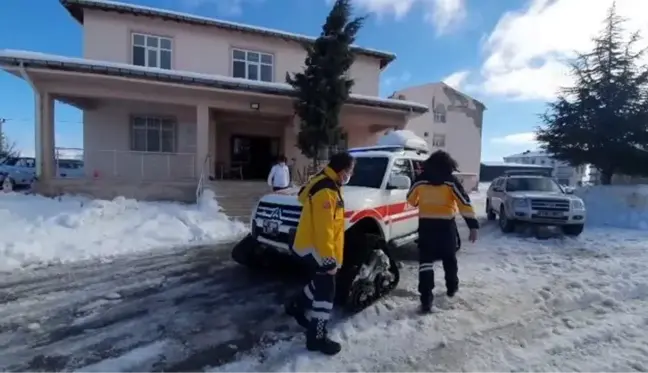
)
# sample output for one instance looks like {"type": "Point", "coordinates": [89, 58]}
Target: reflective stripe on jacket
{"type": "Point", "coordinates": [320, 232]}
{"type": "Point", "coordinates": [439, 199]}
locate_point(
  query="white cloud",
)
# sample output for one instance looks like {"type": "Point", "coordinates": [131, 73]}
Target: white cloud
{"type": "Point", "coordinates": [456, 80]}
{"type": "Point", "coordinates": [527, 51]}
{"type": "Point", "coordinates": [517, 139]}
{"type": "Point", "coordinates": [443, 14]}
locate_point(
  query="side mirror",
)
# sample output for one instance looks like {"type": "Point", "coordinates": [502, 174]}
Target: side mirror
{"type": "Point", "coordinates": [399, 182]}
{"type": "Point", "coordinates": [497, 189]}
{"type": "Point", "coordinates": [569, 191]}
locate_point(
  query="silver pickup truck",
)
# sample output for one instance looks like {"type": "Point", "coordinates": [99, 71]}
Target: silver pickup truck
{"type": "Point", "coordinates": [534, 199]}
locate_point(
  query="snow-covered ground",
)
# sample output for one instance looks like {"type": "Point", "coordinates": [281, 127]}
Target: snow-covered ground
{"type": "Point", "coordinates": [37, 230]}
{"type": "Point", "coordinates": [561, 304]}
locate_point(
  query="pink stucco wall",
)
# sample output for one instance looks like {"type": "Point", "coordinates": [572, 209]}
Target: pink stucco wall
{"type": "Point", "coordinates": [107, 37]}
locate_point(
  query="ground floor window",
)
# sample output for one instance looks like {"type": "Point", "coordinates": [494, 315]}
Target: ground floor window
{"type": "Point", "coordinates": [153, 134]}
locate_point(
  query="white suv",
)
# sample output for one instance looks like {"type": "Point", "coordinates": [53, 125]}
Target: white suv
{"type": "Point", "coordinates": [377, 220]}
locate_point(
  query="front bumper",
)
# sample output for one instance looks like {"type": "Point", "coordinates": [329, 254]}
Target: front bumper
{"type": "Point", "coordinates": [549, 217]}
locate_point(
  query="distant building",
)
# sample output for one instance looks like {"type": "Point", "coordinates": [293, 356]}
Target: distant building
{"type": "Point", "coordinates": [489, 171]}
{"type": "Point", "coordinates": [563, 172]}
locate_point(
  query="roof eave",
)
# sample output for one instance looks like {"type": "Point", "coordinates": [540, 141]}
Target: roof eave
{"type": "Point", "coordinates": [13, 63]}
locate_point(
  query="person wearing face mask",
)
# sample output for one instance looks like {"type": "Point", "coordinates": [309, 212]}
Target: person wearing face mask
{"type": "Point", "coordinates": [319, 242]}
{"type": "Point", "coordinates": [279, 177]}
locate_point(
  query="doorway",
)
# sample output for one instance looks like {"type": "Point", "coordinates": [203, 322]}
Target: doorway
{"type": "Point", "coordinates": [254, 154]}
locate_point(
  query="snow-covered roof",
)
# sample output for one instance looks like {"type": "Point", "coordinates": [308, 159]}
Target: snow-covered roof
{"type": "Point", "coordinates": [55, 62]}
{"type": "Point", "coordinates": [403, 138]}
{"type": "Point", "coordinates": [511, 164]}
{"type": "Point", "coordinates": [76, 7]}
{"type": "Point", "coordinates": [529, 154]}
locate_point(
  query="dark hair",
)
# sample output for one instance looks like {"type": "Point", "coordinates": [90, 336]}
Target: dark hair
{"type": "Point", "coordinates": [341, 161]}
{"type": "Point", "coordinates": [440, 162]}
{"type": "Point", "coordinates": [282, 158]}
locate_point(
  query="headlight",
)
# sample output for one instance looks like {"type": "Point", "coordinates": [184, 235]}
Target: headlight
{"type": "Point", "coordinates": [577, 204]}
{"type": "Point", "coordinates": [520, 203]}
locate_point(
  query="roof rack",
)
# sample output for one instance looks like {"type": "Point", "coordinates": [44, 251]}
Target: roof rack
{"type": "Point", "coordinates": [388, 148]}
{"type": "Point", "coordinates": [547, 173]}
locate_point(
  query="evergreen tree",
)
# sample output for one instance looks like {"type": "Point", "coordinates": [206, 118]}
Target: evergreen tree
{"type": "Point", "coordinates": [603, 119]}
{"type": "Point", "coordinates": [323, 87]}
{"type": "Point", "coordinates": [6, 147]}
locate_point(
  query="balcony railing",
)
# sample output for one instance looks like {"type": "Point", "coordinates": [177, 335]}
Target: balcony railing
{"type": "Point", "coordinates": [134, 165]}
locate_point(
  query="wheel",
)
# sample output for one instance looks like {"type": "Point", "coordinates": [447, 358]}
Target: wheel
{"type": "Point", "coordinates": [8, 184]}
{"type": "Point", "coordinates": [573, 229]}
{"type": "Point", "coordinates": [506, 225]}
{"type": "Point", "coordinates": [490, 214]}
{"type": "Point", "coordinates": [369, 272]}
{"type": "Point", "coordinates": [247, 252]}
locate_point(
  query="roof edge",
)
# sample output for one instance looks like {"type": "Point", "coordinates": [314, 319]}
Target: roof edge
{"type": "Point", "coordinates": [9, 58]}
{"type": "Point", "coordinates": [76, 7]}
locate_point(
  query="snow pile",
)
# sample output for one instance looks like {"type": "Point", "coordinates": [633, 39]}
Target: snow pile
{"type": "Point", "coordinates": [36, 230]}
{"type": "Point", "coordinates": [621, 206]}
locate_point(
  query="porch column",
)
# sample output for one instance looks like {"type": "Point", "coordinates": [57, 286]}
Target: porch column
{"type": "Point", "coordinates": [44, 133]}
{"type": "Point", "coordinates": [202, 138]}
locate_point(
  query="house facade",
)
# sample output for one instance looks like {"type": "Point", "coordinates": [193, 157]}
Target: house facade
{"type": "Point", "coordinates": [172, 97]}
{"type": "Point", "coordinates": [454, 122]}
{"type": "Point", "coordinates": [563, 172]}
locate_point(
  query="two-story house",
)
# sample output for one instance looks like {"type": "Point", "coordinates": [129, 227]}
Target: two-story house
{"type": "Point", "coordinates": [563, 172]}
{"type": "Point", "coordinates": [454, 123]}
{"type": "Point", "coordinates": [168, 97]}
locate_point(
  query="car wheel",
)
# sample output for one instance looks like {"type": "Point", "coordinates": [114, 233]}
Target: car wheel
{"type": "Point", "coordinates": [8, 184]}
{"type": "Point", "coordinates": [506, 225]}
{"type": "Point", "coordinates": [490, 214]}
{"type": "Point", "coordinates": [573, 229]}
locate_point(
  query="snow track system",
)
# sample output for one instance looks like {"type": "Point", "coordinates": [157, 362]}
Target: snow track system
{"type": "Point", "coordinates": [368, 274]}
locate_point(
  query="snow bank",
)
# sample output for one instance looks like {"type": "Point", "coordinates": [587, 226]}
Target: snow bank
{"type": "Point", "coordinates": [621, 206]}
{"type": "Point", "coordinates": [36, 230]}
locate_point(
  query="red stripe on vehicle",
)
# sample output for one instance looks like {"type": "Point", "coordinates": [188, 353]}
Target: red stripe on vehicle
{"type": "Point", "coordinates": [382, 212]}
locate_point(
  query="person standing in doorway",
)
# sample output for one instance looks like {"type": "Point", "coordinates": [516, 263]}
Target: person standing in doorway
{"type": "Point", "coordinates": [438, 193]}
{"type": "Point", "coordinates": [279, 177]}
{"type": "Point", "coordinates": [319, 242]}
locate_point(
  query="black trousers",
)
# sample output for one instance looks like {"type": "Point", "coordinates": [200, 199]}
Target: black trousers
{"type": "Point", "coordinates": [274, 188]}
{"type": "Point", "coordinates": [317, 296]}
{"type": "Point", "coordinates": [438, 241]}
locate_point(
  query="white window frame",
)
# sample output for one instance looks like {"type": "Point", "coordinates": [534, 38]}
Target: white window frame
{"type": "Point", "coordinates": [148, 119]}
{"type": "Point", "coordinates": [439, 117]}
{"type": "Point", "coordinates": [439, 140]}
{"type": "Point", "coordinates": [158, 50]}
{"type": "Point", "coordinates": [249, 63]}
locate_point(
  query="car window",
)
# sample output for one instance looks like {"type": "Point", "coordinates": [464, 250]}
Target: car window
{"type": "Point", "coordinates": [417, 164]}
{"type": "Point", "coordinates": [532, 184]}
{"type": "Point", "coordinates": [403, 167]}
{"type": "Point", "coordinates": [368, 172]}
{"type": "Point", "coordinates": [26, 162]}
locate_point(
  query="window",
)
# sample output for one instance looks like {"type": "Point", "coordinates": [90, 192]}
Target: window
{"type": "Point", "coordinates": [252, 65]}
{"type": "Point", "coordinates": [438, 140]}
{"type": "Point", "coordinates": [368, 172]}
{"type": "Point", "coordinates": [151, 134]}
{"type": "Point", "coordinates": [402, 167]}
{"type": "Point", "coordinates": [439, 117]}
{"type": "Point", "coordinates": [152, 51]}
{"type": "Point", "coordinates": [535, 184]}
{"type": "Point", "coordinates": [418, 167]}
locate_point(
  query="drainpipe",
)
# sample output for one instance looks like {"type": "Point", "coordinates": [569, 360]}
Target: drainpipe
{"type": "Point", "coordinates": [37, 125]}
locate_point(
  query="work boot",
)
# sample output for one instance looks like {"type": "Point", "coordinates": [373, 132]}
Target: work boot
{"type": "Point", "coordinates": [317, 338]}
{"type": "Point", "coordinates": [452, 289]}
{"type": "Point", "coordinates": [426, 303]}
{"type": "Point", "coordinates": [296, 309]}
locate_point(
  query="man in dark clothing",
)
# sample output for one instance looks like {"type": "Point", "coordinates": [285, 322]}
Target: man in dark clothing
{"type": "Point", "coordinates": [438, 193]}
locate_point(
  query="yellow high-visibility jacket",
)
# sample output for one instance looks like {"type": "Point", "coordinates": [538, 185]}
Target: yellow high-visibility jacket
{"type": "Point", "coordinates": [320, 232]}
{"type": "Point", "coordinates": [440, 198]}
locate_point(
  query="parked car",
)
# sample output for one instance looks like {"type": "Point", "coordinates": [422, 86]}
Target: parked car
{"type": "Point", "coordinates": [70, 168]}
{"type": "Point", "coordinates": [534, 199]}
{"type": "Point", "coordinates": [21, 171]}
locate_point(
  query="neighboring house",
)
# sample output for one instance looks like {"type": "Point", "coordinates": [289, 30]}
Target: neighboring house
{"type": "Point", "coordinates": [454, 122]}
{"type": "Point", "coordinates": [168, 97]}
{"type": "Point", "coordinates": [563, 172]}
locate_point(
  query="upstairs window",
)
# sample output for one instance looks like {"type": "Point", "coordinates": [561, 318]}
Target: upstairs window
{"type": "Point", "coordinates": [252, 65]}
{"type": "Point", "coordinates": [438, 140]}
{"type": "Point", "coordinates": [152, 51]}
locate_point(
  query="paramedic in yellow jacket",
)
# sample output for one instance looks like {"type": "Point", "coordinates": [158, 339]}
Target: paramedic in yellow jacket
{"type": "Point", "coordinates": [438, 194]}
{"type": "Point", "coordinates": [319, 241]}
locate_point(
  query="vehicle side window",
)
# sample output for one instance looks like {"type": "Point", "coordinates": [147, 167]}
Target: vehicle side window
{"type": "Point", "coordinates": [418, 167]}
{"type": "Point", "coordinates": [403, 167]}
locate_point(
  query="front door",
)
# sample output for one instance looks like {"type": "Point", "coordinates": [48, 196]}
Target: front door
{"type": "Point", "coordinates": [403, 218]}
{"type": "Point", "coordinates": [255, 154]}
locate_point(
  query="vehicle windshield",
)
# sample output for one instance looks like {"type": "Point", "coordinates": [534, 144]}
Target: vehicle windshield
{"type": "Point", "coordinates": [368, 172]}
{"type": "Point", "coordinates": [9, 161]}
{"type": "Point", "coordinates": [532, 184]}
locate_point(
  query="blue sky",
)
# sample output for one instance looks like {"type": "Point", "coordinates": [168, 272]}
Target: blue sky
{"type": "Point", "coordinates": [488, 49]}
